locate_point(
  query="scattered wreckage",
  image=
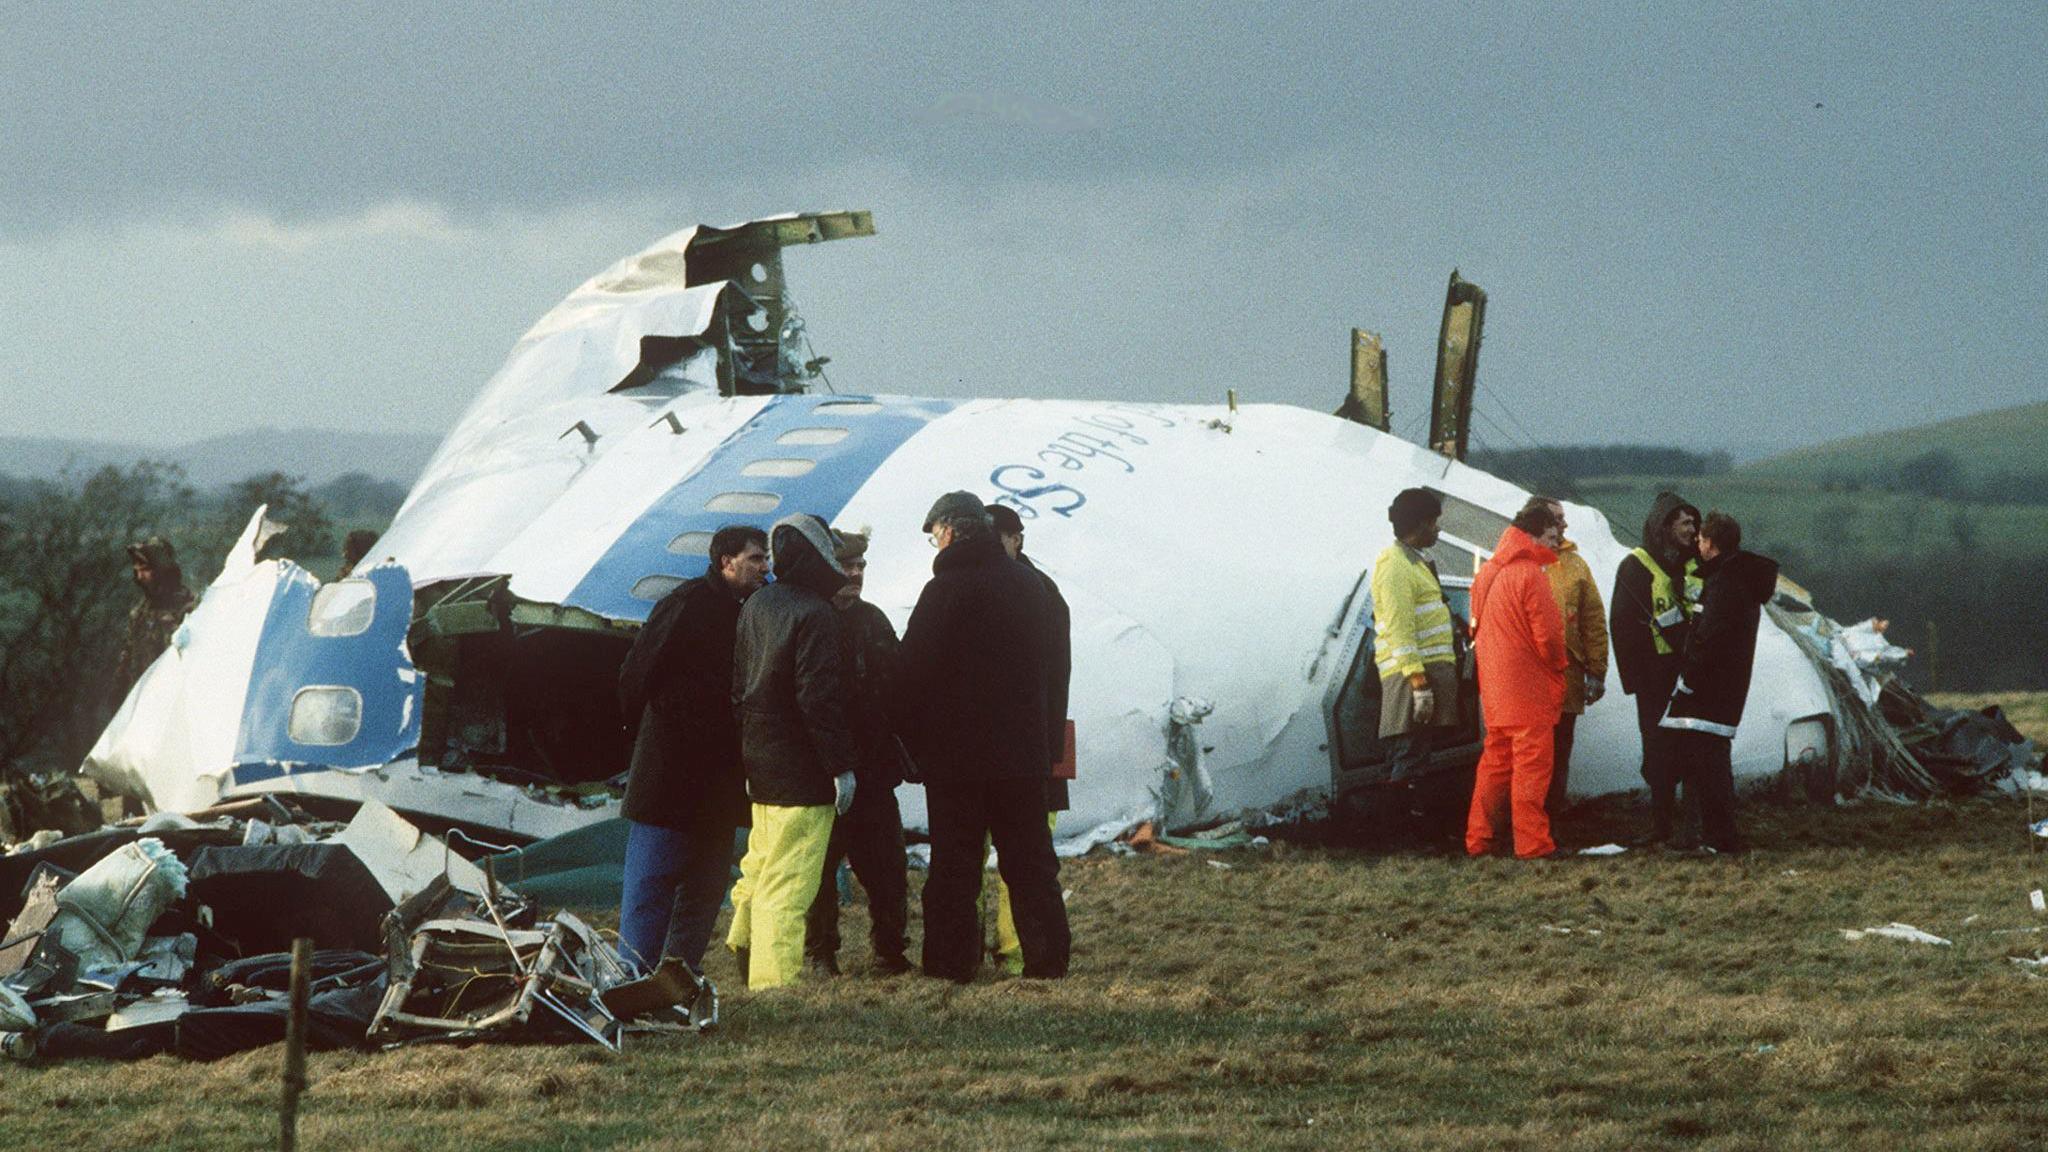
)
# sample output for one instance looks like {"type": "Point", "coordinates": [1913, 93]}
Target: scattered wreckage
{"type": "Point", "coordinates": [1216, 559]}
{"type": "Point", "coordinates": [172, 934]}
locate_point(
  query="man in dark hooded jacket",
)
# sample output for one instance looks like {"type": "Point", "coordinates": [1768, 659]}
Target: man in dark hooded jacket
{"type": "Point", "coordinates": [1656, 596]}
{"type": "Point", "coordinates": [973, 705]}
{"type": "Point", "coordinates": [155, 618]}
{"type": "Point", "coordinates": [869, 836]}
{"type": "Point", "coordinates": [686, 796]}
{"type": "Point", "coordinates": [799, 753]}
{"type": "Point", "coordinates": [1713, 683]}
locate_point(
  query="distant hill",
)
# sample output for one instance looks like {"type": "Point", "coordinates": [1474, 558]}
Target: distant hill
{"type": "Point", "coordinates": [1995, 456]}
{"type": "Point", "coordinates": [317, 455]}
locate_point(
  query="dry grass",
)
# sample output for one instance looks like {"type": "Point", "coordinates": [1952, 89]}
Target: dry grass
{"type": "Point", "coordinates": [1307, 996]}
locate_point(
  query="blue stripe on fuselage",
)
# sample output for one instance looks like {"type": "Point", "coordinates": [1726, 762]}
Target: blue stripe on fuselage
{"type": "Point", "coordinates": [373, 662]}
{"type": "Point", "coordinates": [841, 468]}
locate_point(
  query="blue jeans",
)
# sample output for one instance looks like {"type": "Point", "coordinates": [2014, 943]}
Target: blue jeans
{"type": "Point", "coordinates": [675, 882]}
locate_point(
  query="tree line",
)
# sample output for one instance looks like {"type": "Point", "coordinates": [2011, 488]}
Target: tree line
{"type": "Point", "coordinates": [1558, 471]}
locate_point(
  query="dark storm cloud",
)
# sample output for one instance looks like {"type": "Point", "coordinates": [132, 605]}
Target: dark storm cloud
{"type": "Point", "coordinates": [327, 109]}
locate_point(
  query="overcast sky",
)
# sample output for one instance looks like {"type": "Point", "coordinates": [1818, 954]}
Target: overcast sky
{"type": "Point", "coordinates": [1751, 229]}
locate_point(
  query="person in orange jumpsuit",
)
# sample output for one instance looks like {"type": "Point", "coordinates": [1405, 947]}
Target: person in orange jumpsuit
{"type": "Point", "coordinates": [1518, 635]}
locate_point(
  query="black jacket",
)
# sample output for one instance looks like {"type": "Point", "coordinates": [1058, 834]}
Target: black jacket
{"type": "Point", "coordinates": [787, 682]}
{"type": "Point", "coordinates": [1721, 651]}
{"type": "Point", "coordinates": [1059, 670]}
{"type": "Point", "coordinates": [868, 655]}
{"type": "Point", "coordinates": [972, 702]}
{"type": "Point", "coordinates": [678, 680]}
{"type": "Point", "coordinates": [1642, 667]}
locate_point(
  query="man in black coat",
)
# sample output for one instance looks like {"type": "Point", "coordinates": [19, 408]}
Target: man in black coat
{"type": "Point", "coordinates": [686, 795]}
{"type": "Point", "coordinates": [973, 705]}
{"type": "Point", "coordinates": [1059, 667]}
{"type": "Point", "coordinates": [870, 836]}
{"type": "Point", "coordinates": [1706, 703]}
{"type": "Point", "coordinates": [1656, 596]}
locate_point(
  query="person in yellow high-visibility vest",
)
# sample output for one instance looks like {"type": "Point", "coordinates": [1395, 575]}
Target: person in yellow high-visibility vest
{"type": "Point", "coordinates": [1656, 596]}
{"type": "Point", "coordinates": [1412, 638]}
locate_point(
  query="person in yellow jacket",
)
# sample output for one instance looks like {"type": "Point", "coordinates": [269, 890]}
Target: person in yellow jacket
{"type": "Point", "coordinates": [1585, 642]}
{"type": "Point", "coordinates": [1412, 643]}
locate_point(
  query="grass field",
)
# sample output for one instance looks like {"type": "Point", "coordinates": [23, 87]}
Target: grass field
{"type": "Point", "coordinates": [2002, 442]}
{"type": "Point", "coordinates": [1304, 996]}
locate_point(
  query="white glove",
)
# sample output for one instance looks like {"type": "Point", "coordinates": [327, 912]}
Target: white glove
{"type": "Point", "coordinates": [1596, 687]}
{"type": "Point", "coordinates": [1423, 709]}
{"type": "Point", "coordinates": [842, 793]}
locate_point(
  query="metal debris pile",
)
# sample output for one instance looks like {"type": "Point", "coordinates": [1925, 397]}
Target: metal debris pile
{"type": "Point", "coordinates": [1903, 746]}
{"type": "Point", "coordinates": [173, 935]}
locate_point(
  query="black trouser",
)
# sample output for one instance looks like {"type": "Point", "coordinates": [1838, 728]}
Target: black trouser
{"type": "Point", "coordinates": [1408, 754]}
{"type": "Point", "coordinates": [1011, 812]}
{"type": "Point", "coordinates": [869, 837]}
{"type": "Point", "coordinates": [1560, 764]}
{"type": "Point", "coordinates": [1708, 773]}
{"type": "Point", "coordinates": [1660, 755]}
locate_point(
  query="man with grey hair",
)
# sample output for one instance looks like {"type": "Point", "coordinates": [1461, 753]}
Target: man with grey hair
{"type": "Point", "coordinates": [973, 705]}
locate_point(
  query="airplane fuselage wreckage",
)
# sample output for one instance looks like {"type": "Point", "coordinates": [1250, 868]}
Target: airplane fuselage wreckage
{"type": "Point", "coordinates": [1216, 559]}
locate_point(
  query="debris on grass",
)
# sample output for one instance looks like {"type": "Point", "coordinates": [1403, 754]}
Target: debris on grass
{"type": "Point", "coordinates": [121, 945]}
{"type": "Point", "coordinates": [1896, 931]}
{"type": "Point", "coordinates": [1603, 850]}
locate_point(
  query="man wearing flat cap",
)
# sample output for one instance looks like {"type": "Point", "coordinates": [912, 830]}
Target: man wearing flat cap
{"type": "Point", "coordinates": [973, 704]}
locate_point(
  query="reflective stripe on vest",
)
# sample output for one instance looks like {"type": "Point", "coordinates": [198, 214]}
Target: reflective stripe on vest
{"type": "Point", "coordinates": [1666, 609]}
{"type": "Point", "coordinates": [1430, 612]}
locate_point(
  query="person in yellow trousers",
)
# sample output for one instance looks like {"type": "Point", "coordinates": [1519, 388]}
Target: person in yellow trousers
{"type": "Point", "coordinates": [1585, 646]}
{"type": "Point", "coordinates": [1059, 666]}
{"type": "Point", "coordinates": [798, 751]}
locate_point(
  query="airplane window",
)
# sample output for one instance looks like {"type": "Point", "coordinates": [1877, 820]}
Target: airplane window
{"type": "Point", "coordinates": [325, 715]}
{"type": "Point", "coordinates": [849, 407]}
{"type": "Point", "coordinates": [812, 436]}
{"type": "Point", "coordinates": [655, 587]}
{"type": "Point", "coordinates": [778, 467]}
{"type": "Point", "coordinates": [344, 608]}
{"type": "Point", "coordinates": [750, 502]}
{"type": "Point", "coordinates": [1356, 733]}
{"type": "Point", "coordinates": [1468, 521]}
{"type": "Point", "coordinates": [691, 544]}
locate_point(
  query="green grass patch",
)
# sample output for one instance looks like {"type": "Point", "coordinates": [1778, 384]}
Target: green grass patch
{"type": "Point", "coordinates": [1984, 445]}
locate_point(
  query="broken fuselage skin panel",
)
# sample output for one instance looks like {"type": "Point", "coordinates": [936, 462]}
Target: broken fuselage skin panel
{"type": "Point", "coordinates": [1215, 562]}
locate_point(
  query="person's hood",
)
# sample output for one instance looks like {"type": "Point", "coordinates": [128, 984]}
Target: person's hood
{"type": "Point", "coordinates": [166, 578]}
{"type": "Point", "coordinates": [800, 548]}
{"type": "Point", "coordinates": [1662, 509]}
{"type": "Point", "coordinates": [1754, 577]}
{"type": "Point", "coordinates": [1518, 547]}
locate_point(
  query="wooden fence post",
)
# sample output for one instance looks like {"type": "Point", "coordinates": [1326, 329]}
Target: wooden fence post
{"type": "Point", "coordinates": [295, 1047]}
